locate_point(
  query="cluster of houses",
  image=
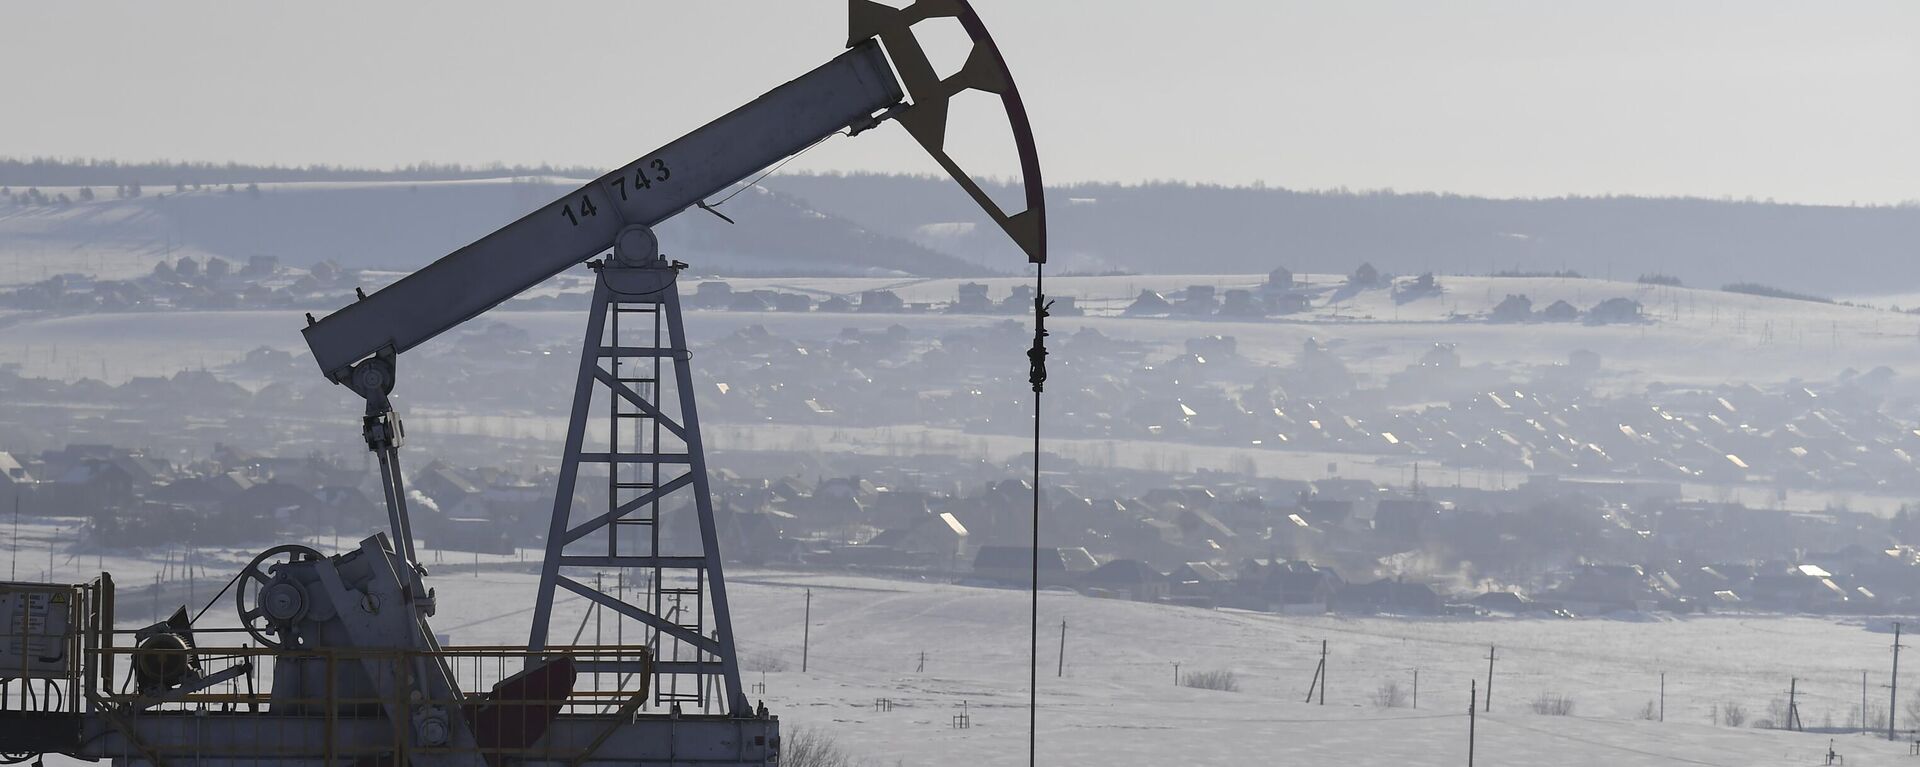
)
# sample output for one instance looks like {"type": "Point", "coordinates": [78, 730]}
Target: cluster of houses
{"type": "Point", "coordinates": [1283, 293]}
{"type": "Point", "coordinates": [1280, 294]}
{"type": "Point", "coordinates": [1516, 307]}
{"type": "Point", "coordinates": [1189, 546]}
{"type": "Point", "coordinates": [970, 298]}
{"type": "Point", "coordinates": [213, 283]}
{"type": "Point", "coordinates": [1256, 583]}
{"type": "Point", "coordinates": [188, 283]}
{"type": "Point", "coordinates": [1554, 546]}
{"type": "Point", "coordinates": [131, 499]}
{"type": "Point", "coordinates": [1835, 435]}
{"type": "Point", "coordinates": [1301, 587]}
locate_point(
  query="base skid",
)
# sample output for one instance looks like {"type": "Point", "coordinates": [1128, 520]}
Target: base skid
{"type": "Point", "coordinates": [216, 739]}
{"type": "Point", "coordinates": [380, 692]}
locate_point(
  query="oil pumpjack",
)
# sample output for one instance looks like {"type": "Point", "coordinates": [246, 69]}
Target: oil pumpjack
{"type": "Point", "coordinates": [340, 666]}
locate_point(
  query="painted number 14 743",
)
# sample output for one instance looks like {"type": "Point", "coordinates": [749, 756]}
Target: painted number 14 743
{"type": "Point", "coordinates": [645, 175]}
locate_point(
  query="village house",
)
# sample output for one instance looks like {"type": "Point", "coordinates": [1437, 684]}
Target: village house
{"type": "Point", "coordinates": [1126, 579]}
{"type": "Point", "coordinates": [1014, 565]}
{"type": "Point", "coordinates": [1199, 583]}
{"type": "Point", "coordinates": [1283, 586]}
{"type": "Point", "coordinates": [1387, 595]}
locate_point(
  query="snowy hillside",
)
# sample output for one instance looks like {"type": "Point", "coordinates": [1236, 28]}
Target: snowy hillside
{"type": "Point", "coordinates": [407, 225]}
{"type": "Point", "coordinates": [1172, 226]}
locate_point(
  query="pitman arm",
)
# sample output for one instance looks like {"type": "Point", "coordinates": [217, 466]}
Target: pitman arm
{"type": "Point", "coordinates": [845, 92]}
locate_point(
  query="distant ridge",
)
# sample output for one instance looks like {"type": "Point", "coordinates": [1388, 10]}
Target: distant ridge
{"type": "Point", "coordinates": [403, 224]}
{"type": "Point", "coordinates": [925, 226]}
{"type": "Point", "coordinates": [1174, 228]}
{"type": "Point", "coordinates": [164, 174]}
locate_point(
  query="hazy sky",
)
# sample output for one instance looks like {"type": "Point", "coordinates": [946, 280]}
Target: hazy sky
{"type": "Point", "coordinates": [1804, 101]}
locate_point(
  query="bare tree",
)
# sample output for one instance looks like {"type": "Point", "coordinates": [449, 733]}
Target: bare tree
{"type": "Point", "coordinates": [810, 747]}
{"type": "Point", "coordinates": [1553, 704]}
{"type": "Point", "coordinates": [1875, 718]}
{"type": "Point", "coordinates": [1733, 714]}
{"type": "Point", "coordinates": [1776, 718]}
{"type": "Point", "coordinates": [1224, 681]}
{"type": "Point", "coordinates": [763, 661]}
{"type": "Point", "coordinates": [1390, 695]}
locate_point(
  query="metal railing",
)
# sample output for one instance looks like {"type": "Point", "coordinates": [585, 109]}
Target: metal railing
{"type": "Point", "coordinates": [47, 671]}
{"type": "Point", "coordinates": [356, 703]}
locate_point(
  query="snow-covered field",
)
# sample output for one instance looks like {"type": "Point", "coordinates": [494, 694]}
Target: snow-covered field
{"type": "Point", "coordinates": [1117, 705]}
{"type": "Point", "coordinates": [106, 240]}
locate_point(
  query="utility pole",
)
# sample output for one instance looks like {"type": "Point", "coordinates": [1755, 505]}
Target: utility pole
{"type": "Point", "coordinates": [1323, 672]}
{"type": "Point", "coordinates": [1062, 670]}
{"type": "Point", "coordinates": [15, 574]}
{"type": "Point", "coordinates": [1663, 696]}
{"type": "Point", "coordinates": [1319, 682]}
{"type": "Point", "coordinates": [1863, 701]}
{"type": "Point", "coordinates": [806, 631]}
{"type": "Point", "coordinates": [1472, 699]}
{"type": "Point", "coordinates": [1489, 708]}
{"type": "Point", "coordinates": [923, 662]}
{"type": "Point", "coordinates": [1416, 687]}
{"type": "Point", "coordinates": [1893, 684]}
{"type": "Point", "coordinates": [1176, 673]}
{"type": "Point", "coordinates": [1793, 704]}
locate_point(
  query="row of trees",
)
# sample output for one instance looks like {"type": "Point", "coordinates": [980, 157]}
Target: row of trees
{"type": "Point", "coordinates": [34, 197]}
{"type": "Point", "coordinates": [82, 172]}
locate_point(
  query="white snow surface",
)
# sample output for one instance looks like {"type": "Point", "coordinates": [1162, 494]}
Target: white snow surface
{"type": "Point", "coordinates": [1117, 705]}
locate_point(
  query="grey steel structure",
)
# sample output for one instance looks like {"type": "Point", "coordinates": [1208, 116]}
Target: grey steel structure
{"type": "Point", "coordinates": [848, 91]}
{"type": "Point", "coordinates": [636, 356]}
{"type": "Point", "coordinates": [347, 670]}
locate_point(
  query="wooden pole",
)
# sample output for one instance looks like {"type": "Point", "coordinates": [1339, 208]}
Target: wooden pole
{"type": "Point", "coordinates": [1793, 704]}
{"type": "Point", "coordinates": [806, 631]}
{"type": "Point", "coordinates": [1489, 708]}
{"type": "Point", "coordinates": [1893, 684]}
{"type": "Point", "coordinates": [1323, 672]}
{"type": "Point", "coordinates": [1062, 670]}
{"type": "Point", "coordinates": [1472, 695]}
